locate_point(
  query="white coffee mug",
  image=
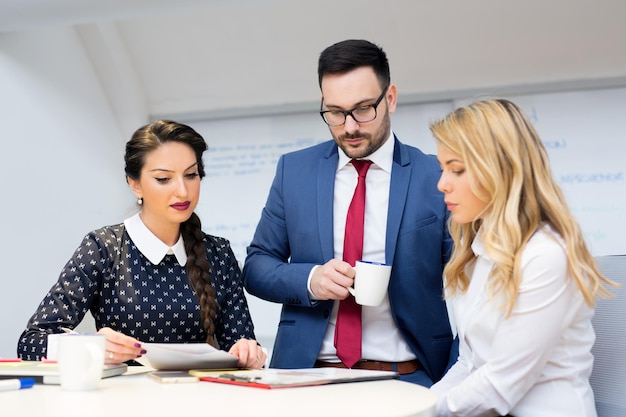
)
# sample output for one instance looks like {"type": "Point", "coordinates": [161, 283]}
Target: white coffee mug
{"type": "Point", "coordinates": [370, 282]}
{"type": "Point", "coordinates": [81, 360]}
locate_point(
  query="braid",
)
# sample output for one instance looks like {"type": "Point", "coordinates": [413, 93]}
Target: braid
{"type": "Point", "coordinates": [198, 270]}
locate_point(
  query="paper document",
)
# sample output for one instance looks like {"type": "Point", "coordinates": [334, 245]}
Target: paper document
{"type": "Point", "coordinates": [185, 356]}
{"type": "Point", "coordinates": [287, 378]}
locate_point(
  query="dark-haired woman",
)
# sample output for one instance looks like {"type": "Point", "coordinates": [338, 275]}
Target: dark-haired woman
{"type": "Point", "coordinates": [156, 277]}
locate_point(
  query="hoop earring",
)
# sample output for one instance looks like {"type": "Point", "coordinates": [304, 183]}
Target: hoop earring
{"type": "Point", "coordinates": [140, 201]}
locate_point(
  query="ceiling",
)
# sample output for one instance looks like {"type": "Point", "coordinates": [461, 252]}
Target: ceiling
{"type": "Point", "coordinates": [211, 58]}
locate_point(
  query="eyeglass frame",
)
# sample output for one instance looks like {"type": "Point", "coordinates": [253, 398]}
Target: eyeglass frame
{"type": "Point", "coordinates": [347, 113]}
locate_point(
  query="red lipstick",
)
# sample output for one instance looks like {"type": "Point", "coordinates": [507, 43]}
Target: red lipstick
{"type": "Point", "coordinates": [181, 206]}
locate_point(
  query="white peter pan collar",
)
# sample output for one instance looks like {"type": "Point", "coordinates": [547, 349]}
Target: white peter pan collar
{"type": "Point", "coordinates": [150, 245]}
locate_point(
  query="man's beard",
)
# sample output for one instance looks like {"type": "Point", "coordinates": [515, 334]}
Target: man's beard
{"type": "Point", "coordinates": [374, 141]}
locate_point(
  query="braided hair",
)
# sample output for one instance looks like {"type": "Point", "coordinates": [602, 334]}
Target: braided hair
{"type": "Point", "coordinates": [145, 140]}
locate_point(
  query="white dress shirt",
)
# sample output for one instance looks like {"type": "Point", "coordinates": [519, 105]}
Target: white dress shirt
{"type": "Point", "coordinates": [537, 361]}
{"type": "Point", "coordinates": [381, 339]}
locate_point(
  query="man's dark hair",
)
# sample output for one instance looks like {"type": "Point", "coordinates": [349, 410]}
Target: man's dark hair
{"type": "Point", "coordinates": [350, 54]}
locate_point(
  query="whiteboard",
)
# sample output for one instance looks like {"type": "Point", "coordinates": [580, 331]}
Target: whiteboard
{"type": "Point", "coordinates": [243, 153]}
{"type": "Point", "coordinates": [584, 133]}
{"type": "Point", "coordinates": [241, 163]}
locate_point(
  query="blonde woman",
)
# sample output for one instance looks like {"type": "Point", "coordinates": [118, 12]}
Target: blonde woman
{"type": "Point", "coordinates": [521, 281]}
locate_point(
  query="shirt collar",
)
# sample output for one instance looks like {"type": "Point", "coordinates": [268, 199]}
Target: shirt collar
{"type": "Point", "coordinates": [478, 247]}
{"type": "Point", "coordinates": [382, 157]}
{"type": "Point", "coordinates": [150, 245]}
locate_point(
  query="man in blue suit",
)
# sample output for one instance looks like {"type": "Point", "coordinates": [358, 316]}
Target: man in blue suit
{"type": "Point", "coordinates": [295, 257]}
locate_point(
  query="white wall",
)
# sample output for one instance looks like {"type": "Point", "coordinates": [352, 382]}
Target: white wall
{"type": "Point", "coordinates": [65, 119]}
{"type": "Point", "coordinates": [61, 164]}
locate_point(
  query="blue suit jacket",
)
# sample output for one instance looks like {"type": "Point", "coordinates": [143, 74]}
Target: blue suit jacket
{"type": "Point", "coordinates": [295, 233]}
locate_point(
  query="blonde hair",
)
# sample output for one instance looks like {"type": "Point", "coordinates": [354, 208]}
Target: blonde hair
{"type": "Point", "coordinates": [508, 167]}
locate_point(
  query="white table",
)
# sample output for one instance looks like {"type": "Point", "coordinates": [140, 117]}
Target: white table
{"type": "Point", "coordinates": [136, 395]}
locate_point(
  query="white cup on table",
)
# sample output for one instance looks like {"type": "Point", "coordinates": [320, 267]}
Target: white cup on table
{"type": "Point", "coordinates": [370, 283]}
{"type": "Point", "coordinates": [81, 361]}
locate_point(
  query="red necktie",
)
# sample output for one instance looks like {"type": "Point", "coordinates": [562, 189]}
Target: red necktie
{"type": "Point", "coordinates": [348, 327]}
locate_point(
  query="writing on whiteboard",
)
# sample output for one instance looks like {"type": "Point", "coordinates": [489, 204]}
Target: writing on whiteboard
{"type": "Point", "coordinates": [555, 144]}
{"type": "Point", "coordinates": [250, 159]}
{"type": "Point", "coordinates": [598, 177]}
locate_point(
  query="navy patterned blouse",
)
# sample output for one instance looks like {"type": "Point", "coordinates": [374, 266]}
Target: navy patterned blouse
{"type": "Point", "coordinates": [109, 276]}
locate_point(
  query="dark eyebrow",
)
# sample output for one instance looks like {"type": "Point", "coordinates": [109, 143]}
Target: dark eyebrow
{"type": "Point", "coordinates": [358, 104]}
{"type": "Point", "coordinates": [169, 170]}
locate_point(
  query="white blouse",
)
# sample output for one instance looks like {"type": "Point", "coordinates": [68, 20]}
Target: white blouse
{"type": "Point", "coordinates": [534, 363]}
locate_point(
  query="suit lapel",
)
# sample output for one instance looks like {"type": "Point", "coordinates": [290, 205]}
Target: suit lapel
{"type": "Point", "coordinates": [325, 196]}
{"type": "Point", "coordinates": [398, 190]}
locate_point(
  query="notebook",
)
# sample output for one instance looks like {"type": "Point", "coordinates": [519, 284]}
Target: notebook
{"type": "Point", "coordinates": [48, 372]}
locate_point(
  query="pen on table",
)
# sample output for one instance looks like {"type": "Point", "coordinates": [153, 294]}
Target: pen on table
{"type": "Point", "coordinates": [15, 384]}
{"type": "Point", "coordinates": [244, 378]}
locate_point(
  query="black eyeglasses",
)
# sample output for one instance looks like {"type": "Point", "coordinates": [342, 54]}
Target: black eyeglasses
{"type": "Point", "coordinates": [361, 114]}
